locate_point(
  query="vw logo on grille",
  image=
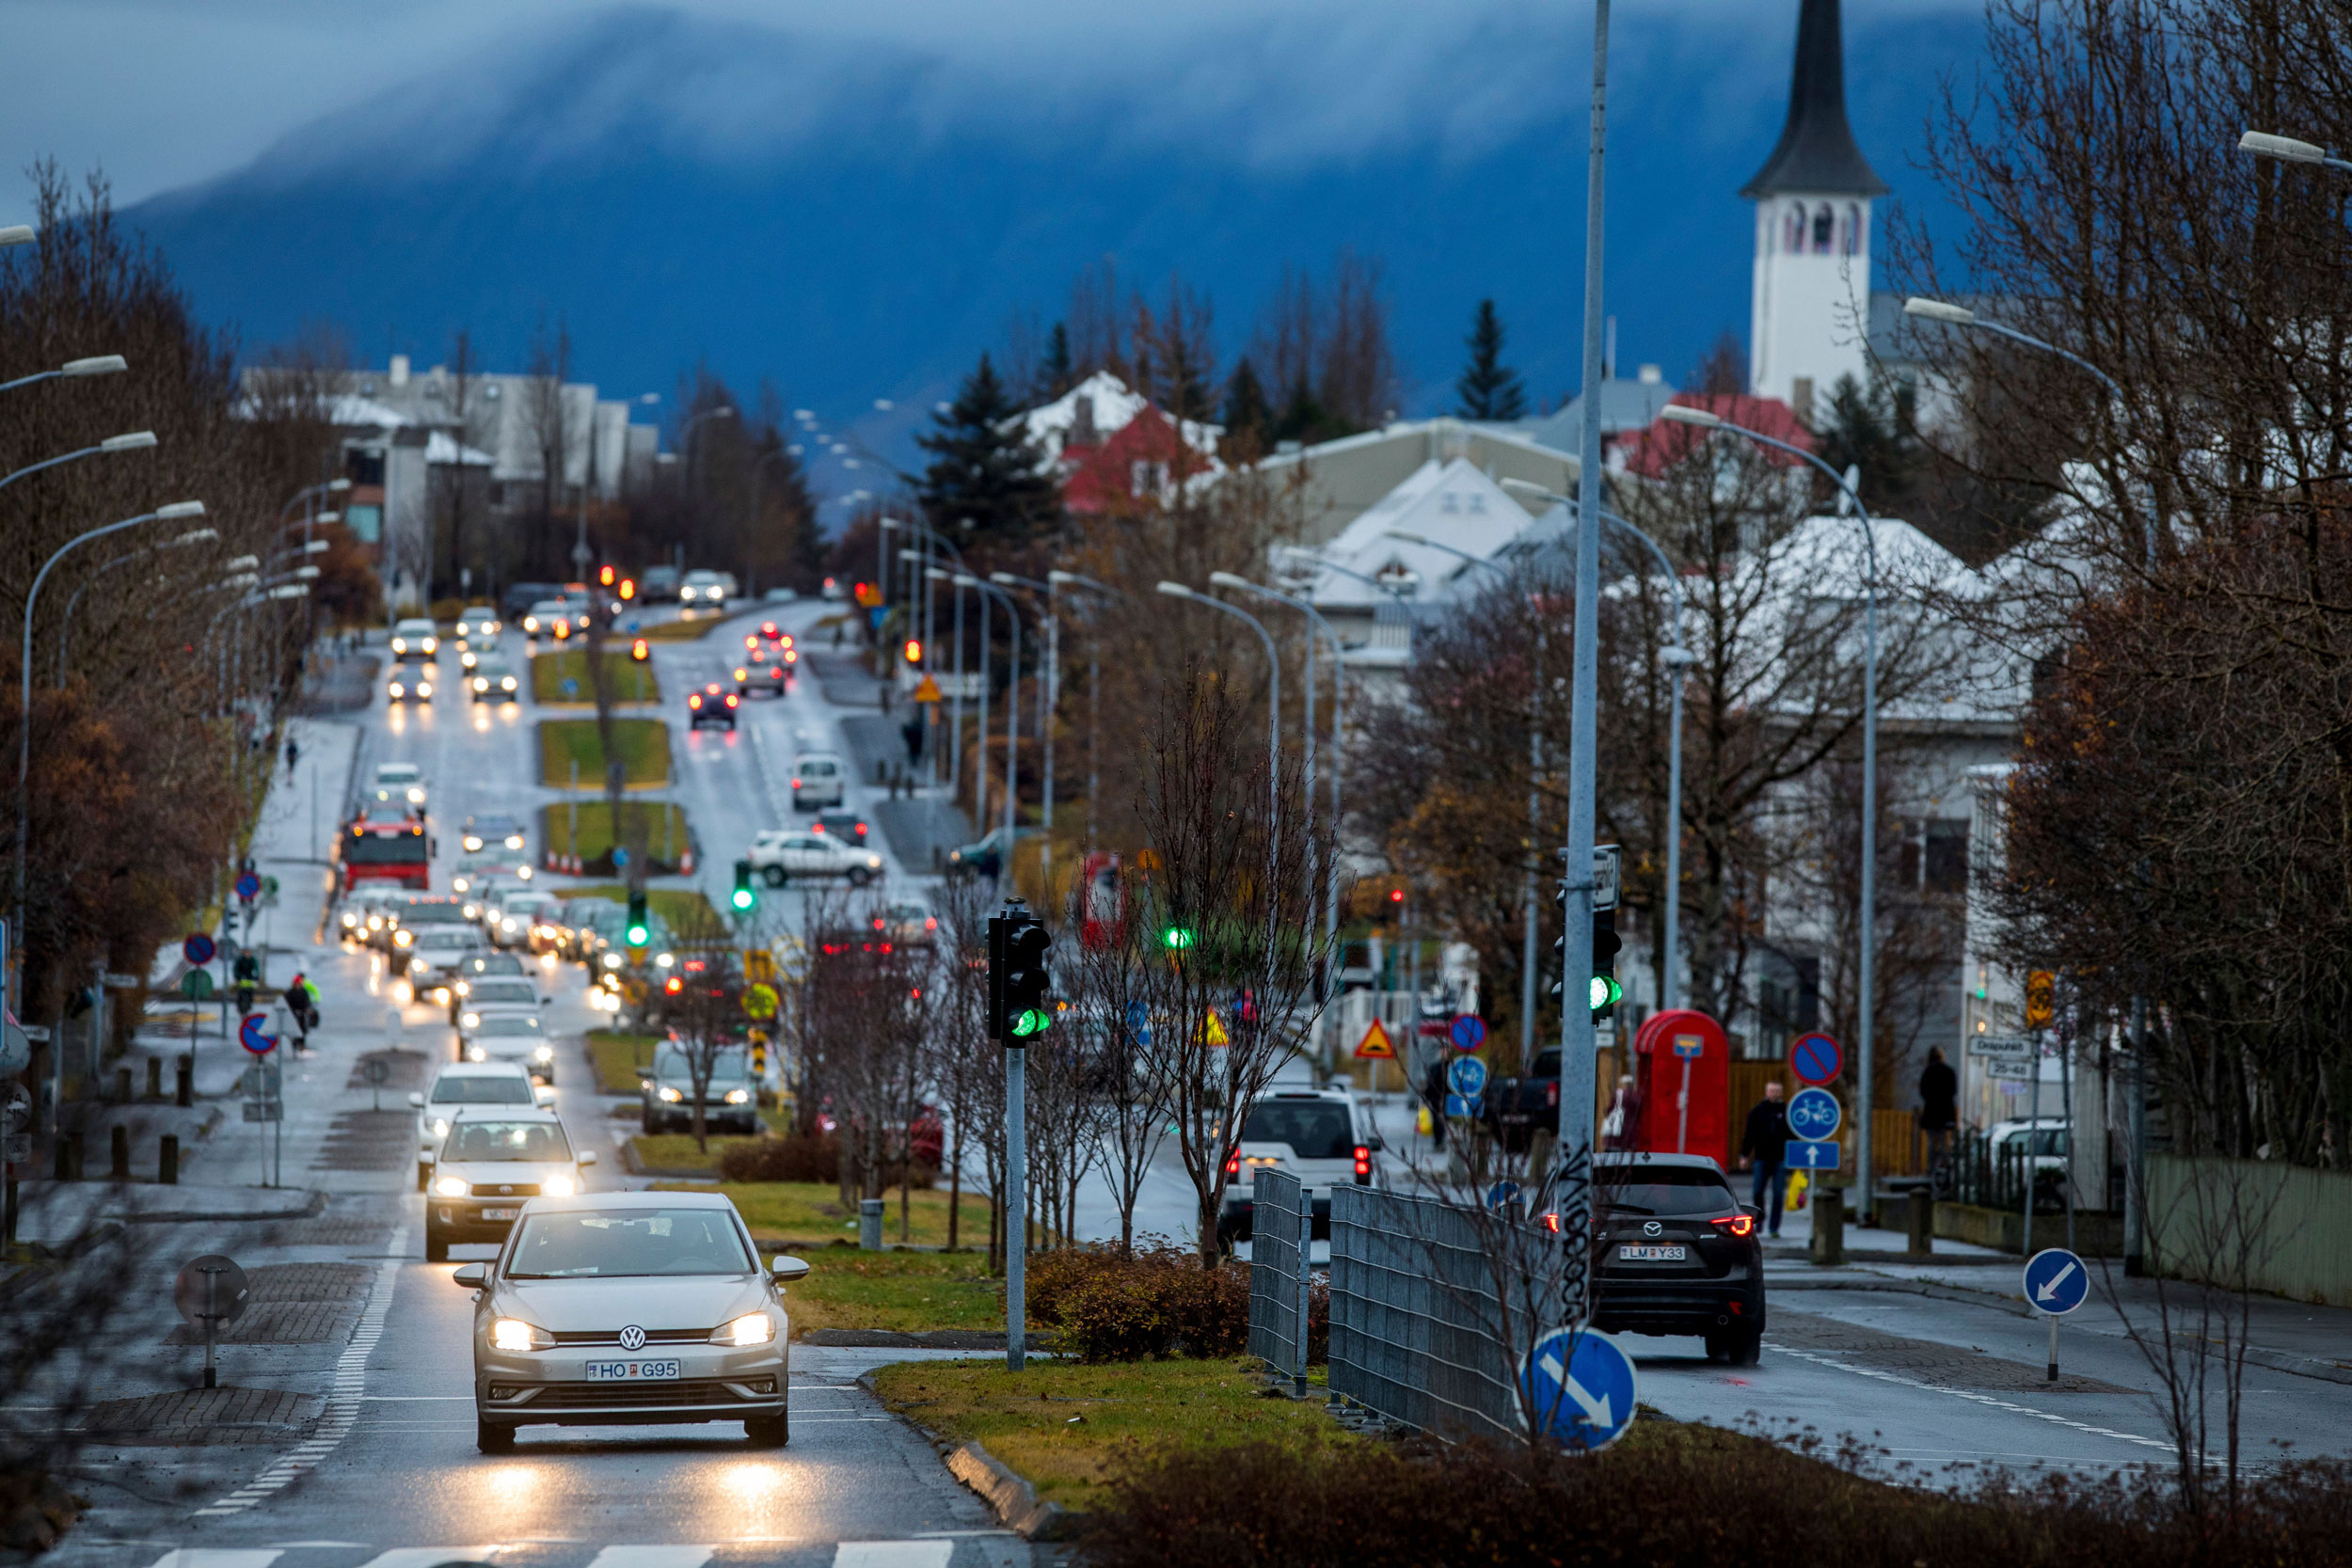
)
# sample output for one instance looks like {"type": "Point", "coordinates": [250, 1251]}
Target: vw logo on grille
{"type": "Point", "coordinates": [506, 1189]}
{"type": "Point", "coordinates": [632, 1337]}
{"type": "Point", "coordinates": [1651, 1228]}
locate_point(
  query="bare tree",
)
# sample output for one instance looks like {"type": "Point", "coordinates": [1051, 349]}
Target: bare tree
{"type": "Point", "coordinates": [1107, 979]}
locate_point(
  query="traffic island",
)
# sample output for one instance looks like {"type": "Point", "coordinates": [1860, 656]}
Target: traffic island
{"type": "Point", "coordinates": [560, 679]}
{"type": "Point", "coordinates": [580, 835]}
{"type": "Point", "coordinates": [571, 753]}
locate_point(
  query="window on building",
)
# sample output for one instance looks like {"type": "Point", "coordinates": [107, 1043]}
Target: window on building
{"type": "Point", "coordinates": [1792, 230]}
{"type": "Point", "coordinates": [1824, 223]}
{"type": "Point", "coordinates": [1850, 231]}
{"type": "Point", "coordinates": [364, 467]}
{"type": "Point", "coordinates": [1146, 478]}
{"type": "Point", "coordinates": [1933, 855]}
{"type": "Point", "coordinates": [366, 523]}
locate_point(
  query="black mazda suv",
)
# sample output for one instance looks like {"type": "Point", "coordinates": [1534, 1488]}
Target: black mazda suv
{"type": "Point", "coordinates": [1679, 1254]}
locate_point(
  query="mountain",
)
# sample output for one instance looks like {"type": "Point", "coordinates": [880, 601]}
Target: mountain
{"type": "Point", "coordinates": [858, 219]}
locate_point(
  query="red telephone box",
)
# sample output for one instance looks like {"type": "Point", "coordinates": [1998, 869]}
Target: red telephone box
{"type": "Point", "coordinates": [1683, 1067]}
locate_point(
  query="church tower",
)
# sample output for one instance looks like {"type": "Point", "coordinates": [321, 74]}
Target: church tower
{"type": "Point", "coordinates": [1813, 198]}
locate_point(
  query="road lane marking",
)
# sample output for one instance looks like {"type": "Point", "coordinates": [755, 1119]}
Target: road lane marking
{"type": "Point", "coordinates": [430, 1557]}
{"type": "Point", "coordinates": [2009, 1405]}
{"type": "Point", "coordinates": [893, 1554]}
{"type": "Point", "coordinates": [344, 1399]}
{"type": "Point", "coordinates": [219, 1556]}
{"type": "Point", "coordinates": [652, 1557]}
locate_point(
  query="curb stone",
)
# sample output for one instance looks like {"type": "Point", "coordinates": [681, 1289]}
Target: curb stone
{"type": "Point", "coordinates": [1004, 1489]}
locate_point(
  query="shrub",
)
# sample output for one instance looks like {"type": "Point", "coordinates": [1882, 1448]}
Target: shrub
{"type": "Point", "coordinates": [817, 1159]}
{"type": "Point", "coordinates": [1159, 1302]}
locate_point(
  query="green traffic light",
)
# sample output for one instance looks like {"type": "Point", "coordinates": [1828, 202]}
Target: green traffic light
{"type": "Point", "coordinates": [1033, 1020]}
{"type": "Point", "coordinates": [1177, 937]}
{"type": "Point", "coordinates": [1606, 992]}
{"type": "Point", "coordinates": [745, 898]}
{"type": "Point", "coordinates": [638, 936]}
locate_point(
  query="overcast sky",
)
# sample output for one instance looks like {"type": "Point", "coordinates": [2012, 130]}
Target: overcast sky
{"type": "Point", "coordinates": [163, 93]}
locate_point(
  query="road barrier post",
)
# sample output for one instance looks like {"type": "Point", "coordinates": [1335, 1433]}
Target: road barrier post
{"type": "Point", "coordinates": [167, 1162]}
{"type": "Point", "coordinates": [1829, 1226]}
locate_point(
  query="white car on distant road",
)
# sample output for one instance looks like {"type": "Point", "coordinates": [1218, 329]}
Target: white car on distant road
{"type": "Point", "coordinates": [517, 1037]}
{"type": "Point", "coordinates": [780, 855]}
{"type": "Point", "coordinates": [402, 784]}
{"type": "Point", "coordinates": [417, 639]}
{"type": "Point", "coordinates": [465, 1084]}
{"type": "Point", "coordinates": [818, 779]}
{"type": "Point", "coordinates": [710, 589]}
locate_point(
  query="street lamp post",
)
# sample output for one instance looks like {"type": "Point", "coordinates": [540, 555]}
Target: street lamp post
{"type": "Point", "coordinates": [1012, 708]}
{"type": "Point", "coordinates": [1094, 693]}
{"type": "Point", "coordinates": [137, 440]}
{"type": "Point", "coordinates": [24, 693]}
{"type": "Point", "coordinates": [102, 364]}
{"type": "Point", "coordinates": [1048, 704]}
{"type": "Point", "coordinates": [1273, 696]}
{"type": "Point", "coordinates": [65, 622]}
{"type": "Point", "coordinates": [2261, 144]}
{"type": "Point", "coordinates": [1864, 1025]}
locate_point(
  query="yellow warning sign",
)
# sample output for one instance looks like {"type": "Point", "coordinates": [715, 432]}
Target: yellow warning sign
{"type": "Point", "coordinates": [1211, 1030]}
{"type": "Point", "coordinates": [759, 1000]}
{"type": "Point", "coordinates": [1376, 1044]}
{"type": "Point", "coordinates": [927, 690]}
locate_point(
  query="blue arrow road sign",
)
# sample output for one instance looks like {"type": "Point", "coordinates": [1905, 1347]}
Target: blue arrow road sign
{"type": "Point", "coordinates": [2056, 1280]}
{"type": "Point", "coordinates": [1587, 1402]}
{"type": "Point", "coordinates": [248, 886]}
{"type": "Point", "coordinates": [1502, 1193]}
{"type": "Point", "coordinates": [1814, 1114]}
{"type": "Point", "coordinates": [249, 1034]}
{"type": "Point", "coordinates": [1461, 1106]}
{"type": "Point", "coordinates": [1816, 1060]}
{"type": "Point", "coordinates": [1810, 1154]}
{"type": "Point", "coordinates": [1466, 1077]}
{"type": "Point", "coordinates": [1469, 1032]}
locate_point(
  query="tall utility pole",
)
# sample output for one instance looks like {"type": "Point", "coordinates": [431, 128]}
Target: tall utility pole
{"type": "Point", "coordinates": [1572, 1186]}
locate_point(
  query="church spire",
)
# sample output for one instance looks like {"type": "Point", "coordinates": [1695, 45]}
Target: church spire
{"type": "Point", "coordinates": [1816, 154]}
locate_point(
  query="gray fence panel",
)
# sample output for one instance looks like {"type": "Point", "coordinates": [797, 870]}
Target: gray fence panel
{"type": "Point", "coordinates": [1412, 1316]}
{"type": "Point", "coordinates": [1276, 1242]}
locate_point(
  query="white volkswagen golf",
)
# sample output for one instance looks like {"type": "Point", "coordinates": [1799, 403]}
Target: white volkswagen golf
{"type": "Point", "coordinates": [630, 1309]}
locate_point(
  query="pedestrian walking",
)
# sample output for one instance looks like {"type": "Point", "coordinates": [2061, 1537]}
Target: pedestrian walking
{"type": "Point", "coordinates": [1939, 1106]}
{"type": "Point", "coordinates": [1621, 1128]}
{"type": "Point", "coordinates": [1763, 1147]}
{"type": "Point", "coordinates": [1433, 1093]}
{"type": "Point", "coordinates": [294, 755]}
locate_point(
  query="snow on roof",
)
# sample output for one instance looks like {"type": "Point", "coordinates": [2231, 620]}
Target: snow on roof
{"type": "Point", "coordinates": [1114, 405]}
{"type": "Point", "coordinates": [441, 447]}
{"type": "Point", "coordinates": [349, 410]}
{"type": "Point", "coordinates": [1453, 502]}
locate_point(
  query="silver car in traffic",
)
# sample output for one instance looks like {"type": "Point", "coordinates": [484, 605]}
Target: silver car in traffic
{"type": "Point", "coordinates": [644, 1307]}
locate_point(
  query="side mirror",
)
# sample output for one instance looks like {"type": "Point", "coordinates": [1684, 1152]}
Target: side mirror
{"type": "Point", "coordinates": [1373, 1142]}
{"type": "Point", "coordinates": [542, 1095]}
{"type": "Point", "coordinates": [473, 1277]}
{"type": "Point", "coordinates": [587, 1156]}
{"type": "Point", "coordinates": [417, 1101]}
{"type": "Point", "coordinates": [546, 999]}
{"type": "Point", "coordinates": [785, 1269]}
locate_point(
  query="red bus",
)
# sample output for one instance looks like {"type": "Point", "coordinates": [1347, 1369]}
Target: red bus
{"type": "Point", "coordinates": [377, 852]}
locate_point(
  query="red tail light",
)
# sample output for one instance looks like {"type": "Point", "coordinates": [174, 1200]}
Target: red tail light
{"type": "Point", "coordinates": [795, 784]}
{"type": "Point", "coordinates": [930, 923]}
{"type": "Point", "coordinates": [1363, 1163]}
{"type": "Point", "coordinates": [1551, 1094]}
{"type": "Point", "coordinates": [696, 701]}
{"type": "Point", "coordinates": [878, 925]}
{"type": "Point", "coordinates": [1232, 1166]}
{"type": "Point", "coordinates": [732, 699]}
{"type": "Point", "coordinates": [1743, 1226]}
{"type": "Point", "coordinates": [1551, 1223]}
{"type": "Point", "coordinates": [861, 829]}
{"type": "Point", "coordinates": [674, 985]}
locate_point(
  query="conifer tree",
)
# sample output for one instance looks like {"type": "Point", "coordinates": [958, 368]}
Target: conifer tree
{"type": "Point", "coordinates": [1488, 389]}
{"type": "Point", "coordinates": [1056, 373]}
{"type": "Point", "coordinates": [983, 477]}
{"type": "Point", "coordinates": [1248, 418]}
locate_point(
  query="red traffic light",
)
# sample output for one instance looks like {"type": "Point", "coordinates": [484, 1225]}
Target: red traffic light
{"type": "Point", "coordinates": [606, 577]}
{"type": "Point", "coordinates": [629, 588]}
{"type": "Point", "coordinates": [639, 650]}
{"type": "Point", "coordinates": [915, 650]}
{"type": "Point", "coordinates": [1396, 895]}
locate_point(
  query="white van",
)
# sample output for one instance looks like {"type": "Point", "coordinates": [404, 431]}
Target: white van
{"type": "Point", "coordinates": [818, 779]}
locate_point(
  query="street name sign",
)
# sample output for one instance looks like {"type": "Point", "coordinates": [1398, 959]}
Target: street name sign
{"type": "Point", "coordinates": [1581, 1386]}
{"type": "Point", "coordinates": [1814, 1114]}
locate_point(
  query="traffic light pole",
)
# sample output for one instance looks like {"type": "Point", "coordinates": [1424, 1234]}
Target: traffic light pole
{"type": "Point", "coordinates": [1016, 1208]}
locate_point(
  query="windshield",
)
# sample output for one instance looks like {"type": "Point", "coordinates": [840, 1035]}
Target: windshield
{"type": "Point", "coordinates": [1315, 1129]}
{"type": "Point", "coordinates": [1664, 1190]}
{"type": "Point", "coordinates": [388, 849]}
{"type": "Point", "coordinates": [433, 914]}
{"type": "Point", "coordinates": [458, 936]}
{"type": "Point", "coordinates": [485, 1142]}
{"type": "Point", "coordinates": [398, 775]}
{"type": "Point", "coordinates": [670, 1062]}
{"type": "Point", "coordinates": [483, 1089]}
{"type": "Point", "coordinates": [592, 1246]}
{"type": "Point", "coordinates": [504, 990]}
{"type": "Point", "coordinates": [508, 1025]}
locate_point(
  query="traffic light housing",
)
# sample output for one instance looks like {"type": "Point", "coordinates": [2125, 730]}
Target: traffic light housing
{"type": "Point", "coordinates": [743, 898]}
{"type": "Point", "coordinates": [1018, 980]}
{"type": "Point", "coordinates": [639, 929]}
{"type": "Point", "coordinates": [605, 577]}
{"type": "Point", "coordinates": [639, 650]}
{"type": "Point", "coordinates": [1607, 993]}
{"type": "Point", "coordinates": [915, 650]}
{"type": "Point", "coordinates": [1177, 938]}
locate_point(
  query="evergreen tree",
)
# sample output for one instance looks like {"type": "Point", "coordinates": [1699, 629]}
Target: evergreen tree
{"type": "Point", "coordinates": [1305, 418]}
{"type": "Point", "coordinates": [984, 472]}
{"type": "Point", "coordinates": [1056, 373]}
{"type": "Point", "coordinates": [1248, 419]}
{"type": "Point", "coordinates": [1872, 431]}
{"type": "Point", "coordinates": [1488, 389]}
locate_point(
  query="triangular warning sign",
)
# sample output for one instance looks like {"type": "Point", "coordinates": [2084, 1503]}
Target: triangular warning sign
{"type": "Point", "coordinates": [1213, 1030]}
{"type": "Point", "coordinates": [1375, 1043]}
{"type": "Point", "coordinates": [927, 690]}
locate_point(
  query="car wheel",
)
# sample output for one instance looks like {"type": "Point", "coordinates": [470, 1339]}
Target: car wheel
{"type": "Point", "coordinates": [492, 1438]}
{"type": "Point", "coordinates": [770, 1432]}
{"type": "Point", "coordinates": [775, 875]}
{"type": "Point", "coordinates": [435, 1248]}
{"type": "Point", "coordinates": [859, 876]}
{"type": "Point", "coordinates": [1746, 1347]}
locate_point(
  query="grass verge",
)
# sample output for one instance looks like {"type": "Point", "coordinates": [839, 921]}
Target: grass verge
{"type": "Point", "coordinates": [1125, 1411]}
{"type": "Point", "coordinates": [692, 626]}
{"type": "Point", "coordinates": [676, 1152]}
{"type": "Point", "coordinates": [631, 682]}
{"type": "Point", "coordinates": [903, 1291]}
{"type": "Point", "coordinates": [809, 1214]}
{"type": "Point", "coordinates": [617, 1057]}
{"type": "Point", "coordinates": [644, 745]}
{"type": "Point", "coordinates": [660, 825]}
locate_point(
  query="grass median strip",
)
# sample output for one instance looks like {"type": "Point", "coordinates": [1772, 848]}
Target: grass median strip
{"type": "Point", "coordinates": [682, 910]}
{"type": "Point", "coordinates": [1122, 1412]}
{"type": "Point", "coordinates": [811, 1213]}
{"type": "Point", "coordinates": [644, 745]}
{"type": "Point", "coordinates": [617, 1059]}
{"type": "Point", "coordinates": [659, 825]}
{"type": "Point", "coordinates": [630, 681]}
{"type": "Point", "coordinates": [689, 627]}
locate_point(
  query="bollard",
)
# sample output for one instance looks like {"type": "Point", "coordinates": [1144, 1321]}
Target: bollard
{"type": "Point", "coordinates": [123, 1085]}
{"type": "Point", "coordinates": [58, 1161]}
{"type": "Point", "coordinates": [119, 1146]}
{"type": "Point", "coordinates": [1922, 1222]}
{"type": "Point", "coordinates": [155, 1078]}
{"type": "Point", "coordinates": [1829, 1226]}
{"type": "Point", "coordinates": [168, 1163]}
{"type": "Point", "coordinates": [73, 1156]}
{"type": "Point", "coordinates": [185, 1092]}
{"type": "Point", "coordinates": [869, 1224]}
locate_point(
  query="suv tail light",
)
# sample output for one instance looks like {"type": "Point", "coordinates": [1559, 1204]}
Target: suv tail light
{"type": "Point", "coordinates": [1232, 1166]}
{"type": "Point", "coordinates": [1741, 1225]}
{"type": "Point", "coordinates": [1551, 1093]}
{"type": "Point", "coordinates": [1363, 1165]}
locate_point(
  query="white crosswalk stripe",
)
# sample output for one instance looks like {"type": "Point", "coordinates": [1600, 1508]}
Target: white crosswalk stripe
{"type": "Point", "coordinates": [651, 1557]}
{"type": "Point", "coordinates": [218, 1557]}
{"type": "Point", "coordinates": [893, 1554]}
{"type": "Point", "coordinates": [429, 1556]}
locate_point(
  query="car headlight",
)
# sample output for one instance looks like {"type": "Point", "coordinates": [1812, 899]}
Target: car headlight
{"type": "Point", "coordinates": [431, 643]}
{"type": "Point", "coordinates": [558, 1185]}
{"type": "Point", "coordinates": [440, 994]}
{"type": "Point", "coordinates": [472, 842]}
{"type": "Point", "coordinates": [440, 1127]}
{"type": "Point", "coordinates": [398, 690]}
{"type": "Point", "coordinates": [480, 683]}
{"type": "Point", "coordinates": [668, 1095]}
{"type": "Point", "coordinates": [470, 1020]}
{"type": "Point", "coordinates": [514, 1334]}
{"type": "Point", "coordinates": [465, 988]}
{"type": "Point", "coordinates": [739, 1097]}
{"type": "Point", "coordinates": [459, 884]}
{"type": "Point", "coordinates": [350, 919]}
{"type": "Point", "coordinates": [404, 938]}
{"type": "Point", "coordinates": [507, 684]}
{"type": "Point", "coordinates": [424, 689]}
{"type": "Point", "coordinates": [873, 862]}
{"type": "Point", "coordinates": [416, 797]}
{"type": "Point", "coordinates": [472, 911]}
{"type": "Point", "coordinates": [514, 841]}
{"type": "Point", "coordinates": [400, 644]}
{"type": "Point", "coordinates": [522, 873]}
{"type": "Point", "coordinates": [506, 925]}
{"type": "Point", "coordinates": [751, 1328]}
{"type": "Point", "coordinates": [545, 1054]}
{"type": "Point", "coordinates": [475, 1053]}
{"type": "Point", "coordinates": [612, 960]}
{"type": "Point", "coordinates": [451, 1186]}
{"type": "Point", "coordinates": [663, 960]}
